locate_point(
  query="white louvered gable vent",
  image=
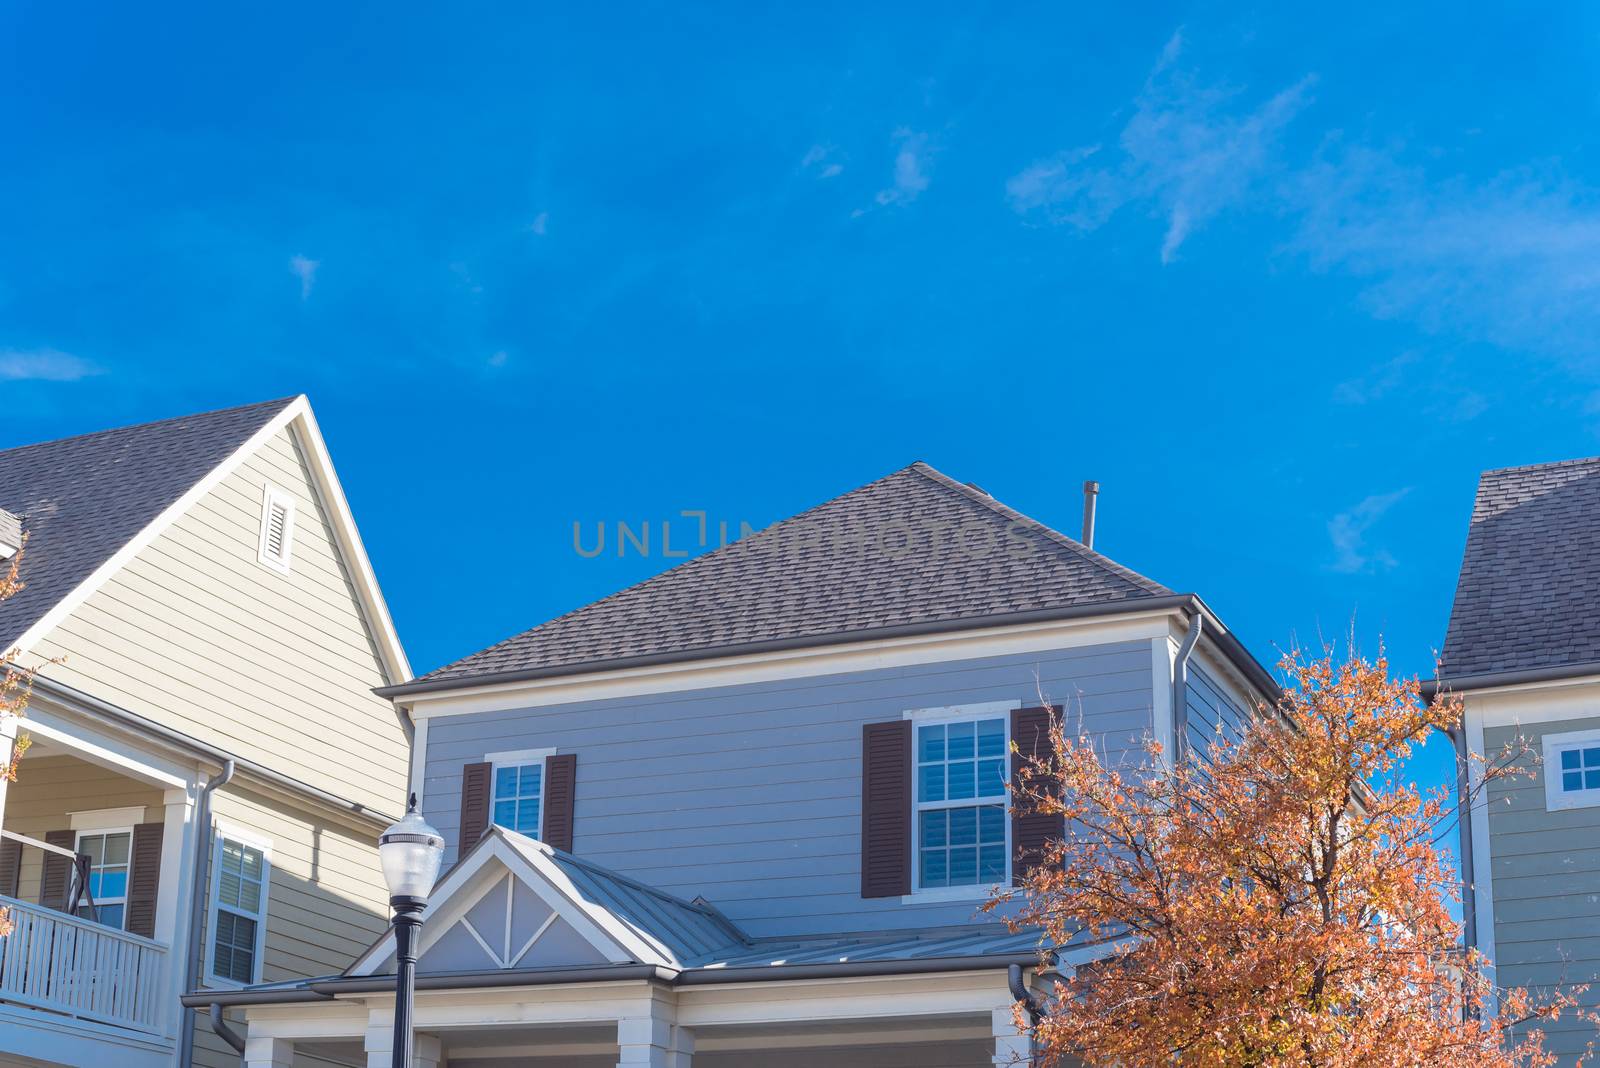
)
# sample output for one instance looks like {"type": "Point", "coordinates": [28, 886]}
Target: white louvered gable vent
{"type": "Point", "coordinates": [277, 529]}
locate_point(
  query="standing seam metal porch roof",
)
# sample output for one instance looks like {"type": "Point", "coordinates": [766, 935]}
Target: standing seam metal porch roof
{"type": "Point", "coordinates": [1530, 576]}
{"type": "Point", "coordinates": [878, 556]}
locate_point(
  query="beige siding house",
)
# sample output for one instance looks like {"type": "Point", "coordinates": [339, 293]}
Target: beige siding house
{"type": "Point", "coordinates": [1523, 652]}
{"type": "Point", "coordinates": [209, 767]}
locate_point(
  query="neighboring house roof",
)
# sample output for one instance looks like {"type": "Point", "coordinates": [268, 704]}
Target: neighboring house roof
{"type": "Point", "coordinates": [83, 498]}
{"type": "Point", "coordinates": [89, 503]}
{"type": "Point", "coordinates": [915, 547]}
{"type": "Point", "coordinates": [1530, 577]}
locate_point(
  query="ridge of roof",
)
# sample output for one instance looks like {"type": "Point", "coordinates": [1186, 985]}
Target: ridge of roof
{"type": "Point", "coordinates": [1051, 533]}
{"type": "Point", "coordinates": [707, 603]}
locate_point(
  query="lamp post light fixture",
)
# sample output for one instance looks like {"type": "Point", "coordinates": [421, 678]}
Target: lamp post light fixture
{"type": "Point", "coordinates": [409, 853]}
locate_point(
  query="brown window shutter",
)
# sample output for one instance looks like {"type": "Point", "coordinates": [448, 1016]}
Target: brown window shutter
{"type": "Point", "coordinates": [57, 870]}
{"type": "Point", "coordinates": [144, 881]}
{"type": "Point", "coordinates": [560, 784]}
{"type": "Point", "coordinates": [1030, 831]}
{"type": "Point", "coordinates": [886, 809]}
{"type": "Point", "coordinates": [476, 788]}
{"type": "Point", "coordinates": [10, 866]}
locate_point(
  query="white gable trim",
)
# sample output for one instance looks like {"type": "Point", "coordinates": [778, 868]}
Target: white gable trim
{"type": "Point", "coordinates": [331, 494]}
{"type": "Point", "coordinates": [297, 414]}
{"type": "Point", "coordinates": [528, 862]}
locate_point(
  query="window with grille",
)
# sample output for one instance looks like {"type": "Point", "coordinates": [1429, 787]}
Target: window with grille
{"type": "Point", "coordinates": [239, 906]}
{"type": "Point", "coordinates": [961, 829]}
{"type": "Point", "coordinates": [109, 856]}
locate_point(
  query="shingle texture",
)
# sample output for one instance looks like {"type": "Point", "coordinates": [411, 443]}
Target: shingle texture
{"type": "Point", "coordinates": [914, 547]}
{"type": "Point", "coordinates": [81, 499]}
{"type": "Point", "coordinates": [1530, 578]}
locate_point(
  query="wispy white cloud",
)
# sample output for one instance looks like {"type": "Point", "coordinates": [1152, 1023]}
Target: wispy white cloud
{"type": "Point", "coordinates": [822, 161]}
{"type": "Point", "coordinates": [912, 154]}
{"type": "Point", "coordinates": [44, 365]}
{"type": "Point", "coordinates": [1189, 152]}
{"type": "Point", "coordinates": [1377, 383]}
{"type": "Point", "coordinates": [305, 270]}
{"type": "Point", "coordinates": [1348, 533]}
{"type": "Point", "coordinates": [1513, 260]}
{"type": "Point", "coordinates": [540, 224]}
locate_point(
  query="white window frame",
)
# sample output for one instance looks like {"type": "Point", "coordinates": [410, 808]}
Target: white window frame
{"type": "Point", "coordinates": [1552, 746]}
{"type": "Point", "coordinates": [920, 717]}
{"type": "Point", "coordinates": [107, 821]}
{"type": "Point", "coordinates": [518, 758]}
{"type": "Point", "coordinates": [251, 839]}
{"type": "Point", "coordinates": [271, 495]}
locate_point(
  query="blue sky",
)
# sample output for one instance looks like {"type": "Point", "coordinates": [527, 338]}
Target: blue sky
{"type": "Point", "coordinates": [1283, 282]}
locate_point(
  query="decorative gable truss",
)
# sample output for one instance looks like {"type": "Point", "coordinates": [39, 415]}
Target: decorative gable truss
{"type": "Point", "coordinates": [513, 903]}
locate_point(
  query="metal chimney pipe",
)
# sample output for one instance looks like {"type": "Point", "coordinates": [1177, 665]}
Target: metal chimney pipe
{"type": "Point", "coordinates": [1091, 490]}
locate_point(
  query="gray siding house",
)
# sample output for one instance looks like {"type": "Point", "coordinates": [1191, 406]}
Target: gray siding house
{"type": "Point", "coordinates": [1523, 652]}
{"type": "Point", "coordinates": [749, 810]}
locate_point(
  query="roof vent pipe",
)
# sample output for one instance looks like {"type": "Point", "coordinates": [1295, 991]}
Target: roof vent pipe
{"type": "Point", "coordinates": [1091, 490]}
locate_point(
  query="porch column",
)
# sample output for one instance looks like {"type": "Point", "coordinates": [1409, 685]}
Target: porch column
{"type": "Point", "coordinates": [648, 1039]}
{"type": "Point", "coordinates": [268, 1053]}
{"type": "Point", "coordinates": [426, 1050]}
{"type": "Point", "coordinates": [8, 737]}
{"type": "Point", "coordinates": [681, 1051]}
{"type": "Point", "coordinates": [1012, 1048]}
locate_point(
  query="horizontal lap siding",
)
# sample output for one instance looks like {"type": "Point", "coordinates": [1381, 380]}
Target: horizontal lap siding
{"type": "Point", "coordinates": [751, 795]}
{"type": "Point", "coordinates": [197, 634]}
{"type": "Point", "coordinates": [1546, 886]}
{"type": "Point", "coordinates": [1210, 709]}
{"type": "Point", "coordinates": [326, 902]}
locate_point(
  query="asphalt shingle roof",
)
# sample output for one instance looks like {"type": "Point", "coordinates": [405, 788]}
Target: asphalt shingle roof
{"type": "Point", "coordinates": [913, 547]}
{"type": "Point", "coordinates": [1530, 578]}
{"type": "Point", "coordinates": [83, 498]}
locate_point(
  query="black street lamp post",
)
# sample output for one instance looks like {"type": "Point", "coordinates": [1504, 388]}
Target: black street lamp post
{"type": "Point", "coordinates": [409, 853]}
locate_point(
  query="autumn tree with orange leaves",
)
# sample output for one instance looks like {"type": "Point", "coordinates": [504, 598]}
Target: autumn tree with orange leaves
{"type": "Point", "coordinates": [15, 686]}
{"type": "Point", "coordinates": [1278, 900]}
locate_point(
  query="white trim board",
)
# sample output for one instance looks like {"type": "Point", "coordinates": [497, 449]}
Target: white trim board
{"type": "Point", "coordinates": [793, 663]}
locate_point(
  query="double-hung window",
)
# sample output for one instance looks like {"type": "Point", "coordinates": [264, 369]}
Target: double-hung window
{"type": "Point", "coordinates": [516, 801]}
{"type": "Point", "coordinates": [1572, 769]}
{"type": "Point", "coordinates": [109, 857]}
{"type": "Point", "coordinates": [960, 832]}
{"type": "Point", "coordinates": [238, 909]}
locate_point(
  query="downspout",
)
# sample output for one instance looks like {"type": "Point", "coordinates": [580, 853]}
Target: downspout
{"type": "Point", "coordinates": [197, 916]}
{"type": "Point", "coordinates": [225, 1030]}
{"type": "Point", "coordinates": [1469, 893]}
{"type": "Point", "coordinates": [1020, 991]}
{"type": "Point", "coordinates": [1180, 689]}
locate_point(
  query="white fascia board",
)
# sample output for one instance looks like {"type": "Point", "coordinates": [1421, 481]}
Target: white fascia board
{"type": "Point", "coordinates": [1553, 701]}
{"type": "Point", "coordinates": [793, 663]}
{"type": "Point", "coordinates": [337, 508]}
{"type": "Point", "coordinates": [114, 751]}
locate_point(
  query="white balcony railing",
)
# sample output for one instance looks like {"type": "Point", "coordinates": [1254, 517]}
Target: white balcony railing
{"type": "Point", "coordinates": [51, 960]}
